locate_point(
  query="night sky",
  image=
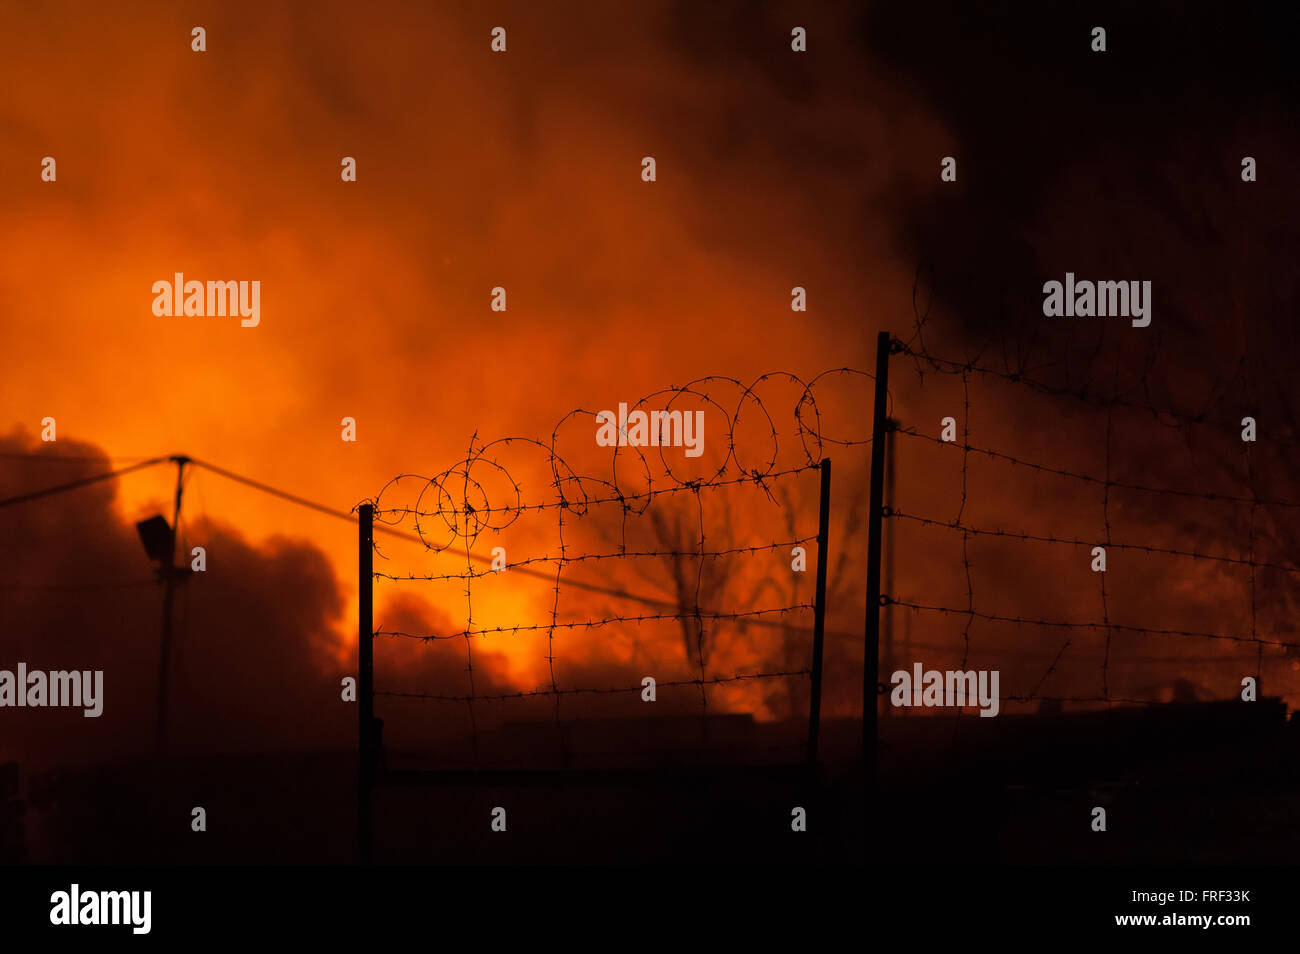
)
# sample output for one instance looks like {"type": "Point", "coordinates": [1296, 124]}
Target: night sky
{"type": "Point", "coordinates": [523, 170]}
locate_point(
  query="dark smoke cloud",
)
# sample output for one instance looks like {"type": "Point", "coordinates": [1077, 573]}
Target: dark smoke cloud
{"type": "Point", "coordinates": [1117, 165]}
{"type": "Point", "coordinates": [251, 663]}
{"type": "Point", "coordinates": [260, 647]}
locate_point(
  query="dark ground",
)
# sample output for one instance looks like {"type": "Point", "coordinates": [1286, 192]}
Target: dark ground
{"type": "Point", "coordinates": [1199, 783]}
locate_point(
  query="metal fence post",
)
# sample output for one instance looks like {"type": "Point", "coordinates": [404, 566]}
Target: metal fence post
{"type": "Point", "coordinates": [819, 613]}
{"type": "Point", "coordinates": [365, 680]}
{"type": "Point", "coordinates": [875, 510]}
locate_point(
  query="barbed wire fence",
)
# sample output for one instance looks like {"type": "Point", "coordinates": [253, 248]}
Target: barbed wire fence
{"type": "Point", "coordinates": [1171, 508]}
{"type": "Point", "coordinates": [458, 510]}
{"type": "Point", "coordinates": [654, 510]}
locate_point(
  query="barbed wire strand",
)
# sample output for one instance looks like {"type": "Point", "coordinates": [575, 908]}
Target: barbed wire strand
{"type": "Point", "coordinates": [925, 361]}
